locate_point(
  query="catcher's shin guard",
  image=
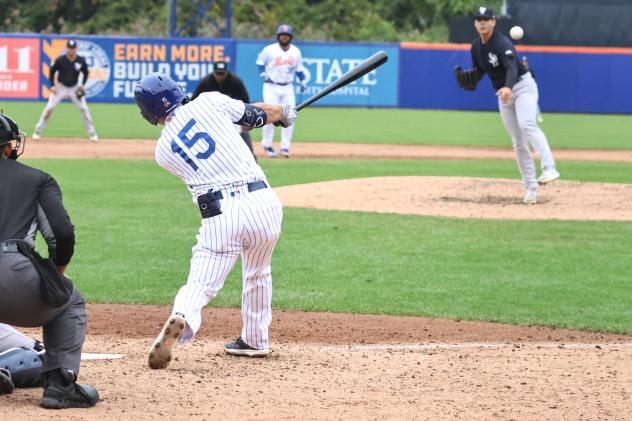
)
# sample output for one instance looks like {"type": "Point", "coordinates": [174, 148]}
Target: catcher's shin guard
{"type": "Point", "coordinates": [25, 366]}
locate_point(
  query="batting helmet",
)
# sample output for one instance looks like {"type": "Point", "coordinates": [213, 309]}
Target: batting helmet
{"type": "Point", "coordinates": [285, 29]}
{"type": "Point", "coordinates": [9, 131]}
{"type": "Point", "coordinates": [157, 95]}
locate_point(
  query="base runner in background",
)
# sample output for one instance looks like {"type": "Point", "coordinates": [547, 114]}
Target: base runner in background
{"type": "Point", "coordinates": [493, 53]}
{"type": "Point", "coordinates": [278, 63]}
{"type": "Point", "coordinates": [240, 214]}
{"type": "Point", "coordinates": [67, 67]}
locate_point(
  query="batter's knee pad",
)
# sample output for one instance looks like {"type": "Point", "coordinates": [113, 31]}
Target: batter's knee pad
{"type": "Point", "coordinates": [25, 366]}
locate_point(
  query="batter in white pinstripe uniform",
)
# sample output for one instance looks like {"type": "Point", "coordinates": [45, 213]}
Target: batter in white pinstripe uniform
{"type": "Point", "coordinates": [241, 215]}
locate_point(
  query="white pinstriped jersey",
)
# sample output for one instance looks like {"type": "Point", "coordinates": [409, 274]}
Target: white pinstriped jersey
{"type": "Point", "coordinates": [201, 145]}
{"type": "Point", "coordinates": [281, 64]}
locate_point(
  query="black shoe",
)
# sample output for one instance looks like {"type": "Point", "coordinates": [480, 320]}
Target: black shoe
{"type": "Point", "coordinates": [6, 384]}
{"type": "Point", "coordinates": [61, 391]}
{"type": "Point", "coordinates": [240, 348]}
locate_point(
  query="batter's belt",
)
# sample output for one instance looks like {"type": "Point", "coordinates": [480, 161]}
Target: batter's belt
{"type": "Point", "coordinates": [208, 203]}
{"type": "Point", "coordinates": [254, 186]}
{"type": "Point", "coordinates": [280, 84]}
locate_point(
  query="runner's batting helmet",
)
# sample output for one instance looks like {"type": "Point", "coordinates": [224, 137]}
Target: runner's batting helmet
{"type": "Point", "coordinates": [157, 95]}
{"type": "Point", "coordinates": [285, 29]}
{"type": "Point", "coordinates": [9, 132]}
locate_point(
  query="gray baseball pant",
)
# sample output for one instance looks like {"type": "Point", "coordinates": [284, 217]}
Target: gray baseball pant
{"type": "Point", "coordinates": [519, 117]}
{"type": "Point", "coordinates": [54, 100]}
{"type": "Point", "coordinates": [21, 305]}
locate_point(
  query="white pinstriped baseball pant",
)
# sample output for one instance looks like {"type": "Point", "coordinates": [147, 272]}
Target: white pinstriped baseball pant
{"type": "Point", "coordinates": [278, 94]}
{"type": "Point", "coordinates": [250, 225]}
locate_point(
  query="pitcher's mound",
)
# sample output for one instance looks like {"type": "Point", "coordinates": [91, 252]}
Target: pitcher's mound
{"type": "Point", "coordinates": [464, 197]}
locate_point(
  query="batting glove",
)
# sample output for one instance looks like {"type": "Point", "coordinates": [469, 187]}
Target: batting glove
{"type": "Point", "coordinates": [303, 85]}
{"type": "Point", "coordinates": [264, 77]}
{"type": "Point", "coordinates": [289, 116]}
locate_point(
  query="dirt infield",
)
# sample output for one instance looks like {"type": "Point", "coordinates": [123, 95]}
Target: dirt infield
{"type": "Point", "coordinates": [144, 149]}
{"type": "Point", "coordinates": [341, 366]}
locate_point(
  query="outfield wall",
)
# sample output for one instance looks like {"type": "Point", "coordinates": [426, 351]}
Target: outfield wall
{"type": "Point", "coordinates": [591, 80]}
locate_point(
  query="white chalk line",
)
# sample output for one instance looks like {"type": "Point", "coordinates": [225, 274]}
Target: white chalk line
{"type": "Point", "coordinates": [477, 345]}
{"type": "Point", "coordinates": [86, 356]}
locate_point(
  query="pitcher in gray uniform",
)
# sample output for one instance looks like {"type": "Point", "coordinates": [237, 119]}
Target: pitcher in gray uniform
{"type": "Point", "coordinates": [493, 53]}
{"type": "Point", "coordinates": [33, 290]}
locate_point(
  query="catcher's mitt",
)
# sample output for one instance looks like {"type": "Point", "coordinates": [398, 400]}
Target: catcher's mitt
{"type": "Point", "coordinates": [467, 79]}
{"type": "Point", "coordinates": [80, 92]}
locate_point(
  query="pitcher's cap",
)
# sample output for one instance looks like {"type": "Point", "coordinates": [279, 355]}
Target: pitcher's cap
{"type": "Point", "coordinates": [484, 13]}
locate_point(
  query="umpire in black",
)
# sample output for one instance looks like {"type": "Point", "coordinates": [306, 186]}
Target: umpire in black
{"type": "Point", "coordinates": [228, 84]}
{"type": "Point", "coordinates": [33, 290]}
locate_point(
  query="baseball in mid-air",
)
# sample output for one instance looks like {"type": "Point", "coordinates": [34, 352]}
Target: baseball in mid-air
{"type": "Point", "coordinates": [516, 33]}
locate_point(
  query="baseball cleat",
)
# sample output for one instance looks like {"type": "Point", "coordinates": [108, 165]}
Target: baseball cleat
{"type": "Point", "coordinates": [285, 153]}
{"type": "Point", "coordinates": [36, 136]}
{"type": "Point", "coordinates": [242, 349]}
{"type": "Point", "coordinates": [160, 352]}
{"type": "Point", "coordinates": [94, 137]}
{"type": "Point", "coordinates": [270, 151]}
{"type": "Point", "coordinates": [530, 197]}
{"type": "Point", "coordinates": [548, 175]}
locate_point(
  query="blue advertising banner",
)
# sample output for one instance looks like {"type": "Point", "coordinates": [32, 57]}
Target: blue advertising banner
{"type": "Point", "coordinates": [427, 81]}
{"type": "Point", "coordinates": [117, 63]}
{"type": "Point", "coordinates": [570, 79]}
{"type": "Point", "coordinates": [417, 75]}
{"type": "Point", "coordinates": [325, 62]}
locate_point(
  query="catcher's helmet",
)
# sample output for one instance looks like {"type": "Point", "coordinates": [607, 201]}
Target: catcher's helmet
{"type": "Point", "coordinates": [285, 30]}
{"type": "Point", "coordinates": [157, 95]}
{"type": "Point", "coordinates": [9, 131]}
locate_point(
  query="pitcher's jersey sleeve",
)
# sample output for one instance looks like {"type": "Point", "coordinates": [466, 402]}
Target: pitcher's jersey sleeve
{"type": "Point", "coordinates": [201, 145]}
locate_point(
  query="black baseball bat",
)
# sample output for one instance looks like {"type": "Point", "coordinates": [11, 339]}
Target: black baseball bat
{"type": "Point", "coordinates": [357, 72]}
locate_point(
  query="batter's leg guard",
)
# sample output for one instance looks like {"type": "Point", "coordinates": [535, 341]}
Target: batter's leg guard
{"type": "Point", "coordinates": [25, 366]}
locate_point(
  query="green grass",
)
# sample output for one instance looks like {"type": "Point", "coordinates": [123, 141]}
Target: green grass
{"type": "Point", "coordinates": [357, 125]}
{"type": "Point", "coordinates": [136, 225]}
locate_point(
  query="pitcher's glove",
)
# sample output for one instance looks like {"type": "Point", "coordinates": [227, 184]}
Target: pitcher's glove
{"type": "Point", "coordinates": [467, 79]}
{"type": "Point", "coordinates": [80, 92]}
{"type": "Point", "coordinates": [288, 118]}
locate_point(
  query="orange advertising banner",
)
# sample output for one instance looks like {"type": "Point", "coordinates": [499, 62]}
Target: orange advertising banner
{"type": "Point", "coordinates": [19, 67]}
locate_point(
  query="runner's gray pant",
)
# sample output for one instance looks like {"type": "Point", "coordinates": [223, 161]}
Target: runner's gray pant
{"type": "Point", "coordinates": [54, 100]}
{"type": "Point", "coordinates": [519, 116]}
{"type": "Point", "coordinates": [21, 305]}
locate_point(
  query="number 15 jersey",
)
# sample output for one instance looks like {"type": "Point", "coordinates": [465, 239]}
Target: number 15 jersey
{"type": "Point", "coordinates": [201, 145]}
